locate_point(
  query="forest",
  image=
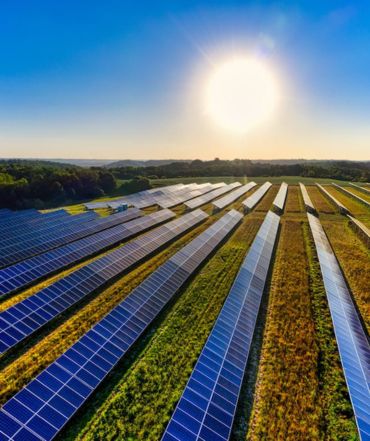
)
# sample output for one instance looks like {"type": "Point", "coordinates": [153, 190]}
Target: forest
{"type": "Point", "coordinates": [44, 184]}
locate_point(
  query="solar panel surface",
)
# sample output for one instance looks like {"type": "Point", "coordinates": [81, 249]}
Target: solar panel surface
{"type": "Point", "coordinates": [252, 201]}
{"type": "Point", "coordinates": [353, 343]}
{"type": "Point", "coordinates": [307, 200]}
{"type": "Point", "coordinates": [43, 407]}
{"type": "Point", "coordinates": [280, 198]}
{"type": "Point", "coordinates": [61, 236]}
{"type": "Point", "coordinates": [233, 196]}
{"type": "Point", "coordinates": [207, 406]}
{"type": "Point", "coordinates": [204, 199]}
{"type": "Point", "coordinates": [24, 318]}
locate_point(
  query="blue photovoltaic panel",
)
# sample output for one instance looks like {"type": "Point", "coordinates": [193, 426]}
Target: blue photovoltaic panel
{"type": "Point", "coordinates": [30, 270]}
{"type": "Point", "coordinates": [207, 406]}
{"type": "Point", "coordinates": [43, 407]}
{"type": "Point", "coordinates": [10, 231]}
{"type": "Point", "coordinates": [51, 301]}
{"type": "Point", "coordinates": [27, 232]}
{"type": "Point", "coordinates": [338, 204]}
{"type": "Point", "coordinates": [352, 340]}
{"type": "Point", "coordinates": [252, 201]}
{"type": "Point", "coordinates": [61, 236]}
{"type": "Point", "coordinates": [19, 217]}
{"type": "Point", "coordinates": [204, 199]}
{"type": "Point", "coordinates": [280, 198]}
{"type": "Point", "coordinates": [27, 316]}
{"type": "Point", "coordinates": [232, 197]}
{"type": "Point", "coordinates": [307, 200]}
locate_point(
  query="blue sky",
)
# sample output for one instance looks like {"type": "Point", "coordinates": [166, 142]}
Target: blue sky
{"type": "Point", "coordinates": [124, 79]}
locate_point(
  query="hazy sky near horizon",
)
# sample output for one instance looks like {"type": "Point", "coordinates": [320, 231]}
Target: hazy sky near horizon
{"type": "Point", "coordinates": [126, 79]}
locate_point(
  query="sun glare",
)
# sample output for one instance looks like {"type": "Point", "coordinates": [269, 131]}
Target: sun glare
{"type": "Point", "coordinates": [241, 94]}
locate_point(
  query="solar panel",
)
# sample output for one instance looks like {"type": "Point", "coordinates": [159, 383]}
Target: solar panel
{"type": "Point", "coordinates": [342, 209]}
{"type": "Point", "coordinates": [208, 403]}
{"type": "Point", "coordinates": [204, 199]}
{"type": "Point", "coordinates": [44, 406]}
{"type": "Point", "coordinates": [232, 197]}
{"type": "Point", "coordinates": [307, 200]}
{"type": "Point", "coordinates": [56, 298]}
{"type": "Point", "coordinates": [30, 270]}
{"type": "Point", "coordinates": [19, 217]}
{"type": "Point", "coordinates": [30, 231]}
{"type": "Point", "coordinates": [364, 189]}
{"type": "Point", "coordinates": [36, 222]}
{"type": "Point", "coordinates": [61, 236]}
{"type": "Point", "coordinates": [356, 196]}
{"type": "Point", "coordinates": [280, 198]}
{"type": "Point", "coordinates": [352, 340]}
{"type": "Point", "coordinates": [252, 201]}
{"type": "Point", "coordinates": [363, 230]}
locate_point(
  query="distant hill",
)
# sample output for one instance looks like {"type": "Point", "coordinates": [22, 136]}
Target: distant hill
{"type": "Point", "coordinates": [148, 163]}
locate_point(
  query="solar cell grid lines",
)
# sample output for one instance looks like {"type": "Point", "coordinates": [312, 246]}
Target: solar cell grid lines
{"type": "Point", "coordinates": [280, 198]}
{"type": "Point", "coordinates": [38, 245]}
{"type": "Point", "coordinates": [44, 406]}
{"type": "Point", "coordinates": [29, 232]}
{"type": "Point", "coordinates": [232, 197]}
{"type": "Point", "coordinates": [348, 193]}
{"type": "Point", "coordinates": [252, 201]}
{"type": "Point", "coordinates": [30, 270]}
{"type": "Point", "coordinates": [352, 341]}
{"type": "Point", "coordinates": [342, 209]}
{"type": "Point", "coordinates": [26, 317]}
{"type": "Point", "coordinates": [201, 200]}
{"type": "Point", "coordinates": [307, 200]}
{"type": "Point", "coordinates": [208, 403]}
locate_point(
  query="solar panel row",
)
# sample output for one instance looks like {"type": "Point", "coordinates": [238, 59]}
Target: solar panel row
{"type": "Point", "coordinates": [361, 228]}
{"type": "Point", "coordinates": [43, 407]}
{"type": "Point", "coordinates": [24, 318]}
{"type": "Point", "coordinates": [363, 189]}
{"type": "Point", "coordinates": [19, 217]}
{"type": "Point", "coordinates": [307, 200]}
{"type": "Point", "coordinates": [34, 223]}
{"type": "Point", "coordinates": [30, 270]}
{"type": "Point", "coordinates": [342, 209]}
{"type": "Point", "coordinates": [207, 406]}
{"type": "Point", "coordinates": [29, 232]}
{"type": "Point", "coordinates": [62, 236]}
{"type": "Point", "coordinates": [232, 197]}
{"type": "Point", "coordinates": [280, 198]}
{"type": "Point", "coordinates": [161, 196]}
{"type": "Point", "coordinates": [204, 199]}
{"type": "Point", "coordinates": [352, 341]}
{"type": "Point", "coordinates": [348, 193]}
{"type": "Point", "coordinates": [179, 199]}
{"type": "Point", "coordinates": [252, 201]}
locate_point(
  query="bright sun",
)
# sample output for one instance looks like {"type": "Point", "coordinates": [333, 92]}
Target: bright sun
{"type": "Point", "coordinates": [241, 94]}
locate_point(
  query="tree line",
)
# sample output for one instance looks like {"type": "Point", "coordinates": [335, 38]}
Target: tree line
{"type": "Point", "coordinates": [43, 184]}
{"type": "Point", "coordinates": [342, 170]}
{"type": "Point", "coordinates": [26, 184]}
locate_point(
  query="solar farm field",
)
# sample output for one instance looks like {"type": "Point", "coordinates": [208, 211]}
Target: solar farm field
{"type": "Point", "coordinates": [164, 318]}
